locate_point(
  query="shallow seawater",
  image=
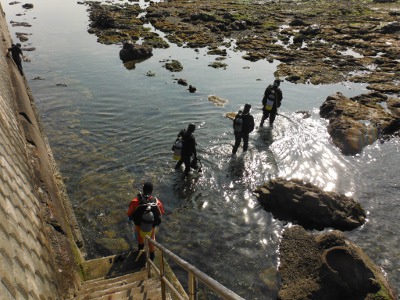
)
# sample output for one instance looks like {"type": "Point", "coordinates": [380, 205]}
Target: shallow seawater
{"type": "Point", "coordinates": [111, 128]}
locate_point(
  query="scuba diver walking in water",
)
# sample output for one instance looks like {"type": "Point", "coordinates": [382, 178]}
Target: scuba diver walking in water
{"type": "Point", "coordinates": [243, 124]}
{"type": "Point", "coordinates": [16, 54]}
{"type": "Point", "coordinates": [188, 148]}
{"type": "Point", "coordinates": [271, 102]}
{"type": "Point", "coordinates": [146, 213]}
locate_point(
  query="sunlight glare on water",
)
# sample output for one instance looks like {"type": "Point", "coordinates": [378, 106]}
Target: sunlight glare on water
{"type": "Point", "coordinates": [111, 128]}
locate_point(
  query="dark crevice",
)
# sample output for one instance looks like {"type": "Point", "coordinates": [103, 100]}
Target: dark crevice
{"type": "Point", "coordinates": [31, 142]}
{"type": "Point", "coordinates": [25, 117]}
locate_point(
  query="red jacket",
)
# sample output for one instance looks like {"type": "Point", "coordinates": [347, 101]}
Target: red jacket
{"type": "Point", "coordinates": [136, 202]}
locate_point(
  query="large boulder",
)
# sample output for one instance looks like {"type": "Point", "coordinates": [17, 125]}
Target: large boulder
{"type": "Point", "coordinates": [309, 206]}
{"type": "Point", "coordinates": [133, 52]}
{"type": "Point", "coordinates": [359, 121]}
{"type": "Point", "coordinates": [328, 267]}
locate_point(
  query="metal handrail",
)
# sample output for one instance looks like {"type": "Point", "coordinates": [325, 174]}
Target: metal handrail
{"type": "Point", "coordinates": [194, 275]}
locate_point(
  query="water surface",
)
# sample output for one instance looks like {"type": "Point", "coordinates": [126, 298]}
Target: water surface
{"type": "Point", "coordinates": [111, 128]}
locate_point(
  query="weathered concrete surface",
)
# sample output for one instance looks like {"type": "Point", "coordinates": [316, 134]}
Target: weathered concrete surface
{"type": "Point", "coordinates": [329, 267]}
{"type": "Point", "coordinates": [39, 238]}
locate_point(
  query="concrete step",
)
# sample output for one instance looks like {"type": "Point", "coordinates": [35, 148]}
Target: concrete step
{"type": "Point", "coordinates": [96, 284]}
{"type": "Point", "coordinates": [114, 265]}
{"type": "Point", "coordinates": [116, 277]}
{"type": "Point", "coordinates": [149, 289]}
{"type": "Point", "coordinates": [128, 295]}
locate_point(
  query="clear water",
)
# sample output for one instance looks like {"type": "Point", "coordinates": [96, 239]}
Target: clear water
{"type": "Point", "coordinates": [111, 128]}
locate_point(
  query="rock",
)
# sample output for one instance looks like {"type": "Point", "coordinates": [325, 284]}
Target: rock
{"type": "Point", "coordinates": [309, 206]}
{"type": "Point", "coordinates": [306, 114]}
{"type": "Point", "coordinates": [218, 65]}
{"type": "Point", "coordinates": [392, 27]}
{"type": "Point", "coordinates": [102, 19]}
{"type": "Point", "coordinates": [192, 89]}
{"type": "Point", "coordinates": [150, 74]}
{"type": "Point", "coordinates": [174, 66]}
{"type": "Point", "coordinates": [109, 246]}
{"type": "Point", "coordinates": [28, 6]}
{"type": "Point", "coordinates": [133, 52]}
{"type": "Point", "coordinates": [22, 36]}
{"type": "Point", "coordinates": [20, 24]}
{"type": "Point", "coordinates": [217, 100]}
{"type": "Point", "coordinates": [182, 82]}
{"type": "Point", "coordinates": [270, 278]}
{"type": "Point", "coordinates": [297, 22]}
{"type": "Point", "coordinates": [359, 121]}
{"type": "Point", "coordinates": [319, 34]}
{"type": "Point", "coordinates": [230, 115]}
{"type": "Point", "coordinates": [329, 267]}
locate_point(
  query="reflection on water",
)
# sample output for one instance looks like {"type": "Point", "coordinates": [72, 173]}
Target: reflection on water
{"type": "Point", "coordinates": [112, 128]}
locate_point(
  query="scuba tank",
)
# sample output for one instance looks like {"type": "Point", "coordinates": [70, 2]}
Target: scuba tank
{"type": "Point", "coordinates": [146, 224]}
{"type": "Point", "coordinates": [270, 100]}
{"type": "Point", "coordinates": [238, 122]}
{"type": "Point", "coordinates": [178, 145]}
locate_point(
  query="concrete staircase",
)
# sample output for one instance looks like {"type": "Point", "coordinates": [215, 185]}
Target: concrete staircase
{"type": "Point", "coordinates": [135, 286]}
{"type": "Point", "coordinates": [117, 277]}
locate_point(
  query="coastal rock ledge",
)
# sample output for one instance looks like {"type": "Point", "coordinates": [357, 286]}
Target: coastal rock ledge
{"type": "Point", "coordinates": [309, 206]}
{"type": "Point", "coordinates": [328, 267]}
{"type": "Point", "coordinates": [357, 122]}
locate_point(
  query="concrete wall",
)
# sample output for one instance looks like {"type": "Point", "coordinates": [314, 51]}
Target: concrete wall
{"type": "Point", "coordinates": [39, 237]}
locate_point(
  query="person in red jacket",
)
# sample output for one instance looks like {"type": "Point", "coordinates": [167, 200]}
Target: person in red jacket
{"type": "Point", "coordinates": [146, 211]}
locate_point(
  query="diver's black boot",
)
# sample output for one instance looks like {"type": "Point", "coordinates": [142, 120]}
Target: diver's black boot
{"type": "Point", "coordinates": [140, 247]}
{"type": "Point", "coordinates": [152, 255]}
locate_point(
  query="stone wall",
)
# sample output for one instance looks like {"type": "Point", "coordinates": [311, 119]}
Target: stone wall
{"type": "Point", "coordinates": [39, 238]}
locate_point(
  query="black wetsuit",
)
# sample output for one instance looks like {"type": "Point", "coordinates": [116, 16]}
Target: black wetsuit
{"type": "Point", "coordinates": [16, 54]}
{"type": "Point", "coordinates": [274, 94]}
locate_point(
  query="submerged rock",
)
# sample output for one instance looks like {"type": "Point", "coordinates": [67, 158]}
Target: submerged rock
{"type": "Point", "coordinates": [359, 121]}
{"type": "Point", "coordinates": [27, 5]}
{"type": "Point", "coordinates": [192, 89]}
{"type": "Point", "coordinates": [133, 52]}
{"type": "Point", "coordinates": [329, 267]}
{"type": "Point", "coordinates": [174, 66]}
{"type": "Point", "coordinates": [109, 246]}
{"type": "Point", "coordinates": [309, 206]}
{"type": "Point", "coordinates": [217, 100]}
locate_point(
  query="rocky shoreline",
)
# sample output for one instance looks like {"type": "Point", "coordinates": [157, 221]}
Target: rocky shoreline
{"type": "Point", "coordinates": [320, 266]}
{"type": "Point", "coordinates": [316, 42]}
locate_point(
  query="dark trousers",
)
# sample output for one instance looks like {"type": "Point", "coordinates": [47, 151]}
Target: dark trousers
{"type": "Point", "coordinates": [268, 113]}
{"type": "Point", "coordinates": [18, 62]}
{"type": "Point", "coordinates": [185, 159]}
{"type": "Point", "coordinates": [238, 138]}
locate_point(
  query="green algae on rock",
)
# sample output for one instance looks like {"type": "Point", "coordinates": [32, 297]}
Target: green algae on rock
{"type": "Point", "coordinates": [311, 39]}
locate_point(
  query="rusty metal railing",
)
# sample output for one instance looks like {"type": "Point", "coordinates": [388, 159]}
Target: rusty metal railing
{"type": "Point", "coordinates": [194, 276]}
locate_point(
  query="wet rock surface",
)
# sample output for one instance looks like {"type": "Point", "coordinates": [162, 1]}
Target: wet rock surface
{"type": "Point", "coordinates": [359, 121]}
{"type": "Point", "coordinates": [134, 52]}
{"type": "Point", "coordinates": [315, 41]}
{"type": "Point", "coordinates": [327, 266]}
{"type": "Point", "coordinates": [309, 206]}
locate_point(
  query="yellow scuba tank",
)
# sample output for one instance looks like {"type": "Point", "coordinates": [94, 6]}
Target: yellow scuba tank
{"type": "Point", "coordinates": [178, 145]}
{"type": "Point", "coordinates": [146, 224]}
{"type": "Point", "coordinates": [270, 101]}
